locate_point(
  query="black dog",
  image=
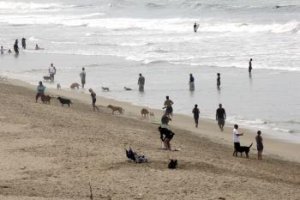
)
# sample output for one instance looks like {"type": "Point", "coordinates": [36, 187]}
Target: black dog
{"type": "Point", "coordinates": [64, 101]}
{"type": "Point", "coordinates": [172, 164]}
{"type": "Point", "coordinates": [242, 149]}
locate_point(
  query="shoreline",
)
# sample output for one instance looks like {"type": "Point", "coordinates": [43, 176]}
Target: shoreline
{"type": "Point", "coordinates": [208, 128]}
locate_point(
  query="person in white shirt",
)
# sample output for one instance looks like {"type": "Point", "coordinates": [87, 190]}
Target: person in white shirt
{"type": "Point", "coordinates": [52, 72]}
{"type": "Point", "coordinates": [236, 136]}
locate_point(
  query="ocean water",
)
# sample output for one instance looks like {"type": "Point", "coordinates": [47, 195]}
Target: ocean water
{"type": "Point", "coordinates": [156, 38]}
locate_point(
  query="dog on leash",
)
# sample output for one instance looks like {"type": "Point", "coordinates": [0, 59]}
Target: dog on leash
{"type": "Point", "coordinates": [127, 89]}
{"type": "Point", "coordinates": [47, 78]}
{"type": "Point", "coordinates": [64, 101]}
{"type": "Point", "coordinates": [75, 85]}
{"type": "Point", "coordinates": [116, 108]}
{"type": "Point", "coordinates": [242, 149]}
{"type": "Point", "coordinates": [58, 86]}
{"type": "Point", "coordinates": [144, 112]}
{"type": "Point", "coordinates": [46, 99]}
{"type": "Point", "coordinates": [105, 89]}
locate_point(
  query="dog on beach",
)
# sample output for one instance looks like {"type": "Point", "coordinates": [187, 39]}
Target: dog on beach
{"type": "Point", "coordinates": [75, 85]}
{"type": "Point", "coordinates": [58, 86]}
{"type": "Point", "coordinates": [46, 99]}
{"type": "Point", "coordinates": [47, 78]}
{"type": "Point", "coordinates": [105, 89]}
{"type": "Point", "coordinates": [64, 101]}
{"type": "Point", "coordinates": [144, 112]}
{"type": "Point", "coordinates": [172, 164]}
{"type": "Point", "coordinates": [242, 149]}
{"type": "Point", "coordinates": [116, 108]}
{"type": "Point", "coordinates": [151, 114]}
{"type": "Point", "coordinates": [127, 89]}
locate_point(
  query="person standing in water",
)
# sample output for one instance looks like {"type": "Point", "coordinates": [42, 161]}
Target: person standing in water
{"type": "Point", "coordinates": [259, 145]}
{"type": "Point", "coordinates": [16, 47]}
{"type": "Point", "coordinates": [218, 80]}
{"type": "Point", "coordinates": [192, 83]}
{"type": "Point", "coordinates": [82, 77]}
{"type": "Point", "coordinates": [250, 66]}
{"type": "Point", "coordinates": [141, 82]}
{"type": "Point", "coordinates": [196, 26]}
{"type": "Point", "coordinates": [2, 50]}
{"type": "Point", "coordinates": [23, 43]}
{"type": "Point", "coordinates": [221, 116]}
{"type": "Point", "coordinates": [196, 113]}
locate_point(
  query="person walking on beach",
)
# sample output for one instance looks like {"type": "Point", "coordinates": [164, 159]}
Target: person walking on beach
{"type": "Point", "coordinates": [221, 116]}
{"type": "Point", "coordinates": [40, 91]}
{"type": "Point", "coordinates": [259, 145]}
{"type": "Point", "coordinates": [250, 66]}
{"type": "Point", "coordinates": [192, 83]}
{"type": "Point", "coordinates": [168, 106]}
{"type": "Point", "coordinates": [52, 72]}
{"type": "Point", "coordinates": [141, 82]}
{"type": "Point", "coordinates": [93, 95]}
{"type": "Point", "coordinates": [196, 113]}
{"type": "Point", "coordinates": [236, 137]}
{"type": "Point", "coordinates": [23, 43]}
{"type": "Point", "coordinates": [82, 77]}
{"type": "Point", "coordinates": [218, 80]}
{"type": "Point", "coordinates": [16, 47]}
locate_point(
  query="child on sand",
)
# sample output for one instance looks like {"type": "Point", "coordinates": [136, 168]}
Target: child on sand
{"type": "Point", "coordinates": [168, 106]}
{"type": "Point", "coordinates": [93, 95]}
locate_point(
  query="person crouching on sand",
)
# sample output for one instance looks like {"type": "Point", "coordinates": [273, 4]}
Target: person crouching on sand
{"type": "Point", "coordinates": [40, 91]}
{"type": "Point", "coordinates": [166, 136]}
{"type": "Point", "coordinates": [259, 145]}
{"type": "Point", "coordinates": [93, 95]}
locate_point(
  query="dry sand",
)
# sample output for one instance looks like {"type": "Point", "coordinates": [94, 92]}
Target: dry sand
{"type": "Point", "coordinates": [53, 152]}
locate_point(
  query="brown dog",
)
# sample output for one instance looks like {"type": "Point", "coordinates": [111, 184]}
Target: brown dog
{"type": "Point", "coordinates": [75, 85]}
{"type": "Point", "coordinates": [144, 112]}
{"type": "Point", "coordinates": [46, 99]}
{"type": "Point", "coordinates": [116, 108]}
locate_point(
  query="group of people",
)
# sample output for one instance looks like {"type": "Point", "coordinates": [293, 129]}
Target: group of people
{"type": "Point", "coordinates": [16, 47]}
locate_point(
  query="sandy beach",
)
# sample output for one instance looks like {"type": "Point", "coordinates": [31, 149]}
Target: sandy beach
{"type": "Point", "coordinates": [54, 152]}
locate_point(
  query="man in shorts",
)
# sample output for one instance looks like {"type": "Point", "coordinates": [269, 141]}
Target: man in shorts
{"type": "Point", "coordinates": [221, 116]}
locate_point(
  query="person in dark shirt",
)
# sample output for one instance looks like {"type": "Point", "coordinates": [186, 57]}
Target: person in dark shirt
{"type": "Point", "coordinates": [218, 80]}
{"type": "Point", "coordinates": [93, 95]}
{"type": "Point", "coordinates": [192, 83]}
{"type": "Point", "coordinates": [221, 116]}
{"type": "Point", "coordinates": [250, 65]}
{"type": "Point", "coordinates": [24, 43]}
{"type": "Point", "coordinates": [259, 145]}
{"type": "Point", "coordinates": [16, 47]}
{"type": "Point", "coordinates": [196, 113]}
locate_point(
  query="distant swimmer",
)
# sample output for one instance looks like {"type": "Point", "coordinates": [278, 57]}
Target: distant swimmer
{"type": "Point", "coordinates": [218, 80]}
{"type": "Point", "coordinates": [23, 43]}
{"type": "Point", "coordinates": [9, 51]}
{"type": "Point", "coordinates": [2, 50]}
{"type": "Point", "coordinates": [38, 48]}
{"type": "Point", "coordinates": [16, 47]}
{"type": "Point", "coordinates": [196, 26]}
{"type": "Point", "coordinates": [192, 83]}
{"type": "Point", "coordinates": [250, 65]}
